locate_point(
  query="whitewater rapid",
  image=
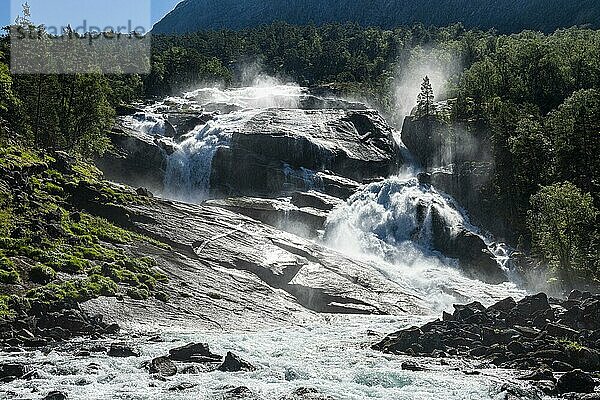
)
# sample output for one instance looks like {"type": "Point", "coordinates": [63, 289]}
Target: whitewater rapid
{"type": "Point", "coordinates": [385, 223]}
{"type": "Point", "coordinates": [332, 357]}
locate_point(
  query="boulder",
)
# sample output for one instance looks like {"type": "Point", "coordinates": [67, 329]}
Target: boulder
{"type": "Point", "coordinates": [533, 304]}
{"type": "Point", "coordinates": [411, 366]}
{"type": "Point", "coordinates": [576, 381]}
{"type": "Point", "coordinates": [12, 371]}
{"type": "Point", "coordinates": [56, 396]}
{"type": "Point", "coordinates": [306, 394]}
{"type": "Point", "coordinates": [194, 352]}
{"type": "Point", "coordinates": [238, 393]}
{"type": "Point", "coordinates": [233, 363]}
{"type": "Point", "coordinates": [122, 350]}
{"type": "Point", "coordinates": [504, 305]}
{"type": "Point", "coordinates": [468, 248]}
{"type": "Point", "coordinates": [163, 366]}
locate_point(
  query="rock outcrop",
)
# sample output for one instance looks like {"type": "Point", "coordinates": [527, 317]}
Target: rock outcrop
{"type": "Point", "coordinates": [276, 143]}
{"type": "Point", "coordinates": [226, 270]}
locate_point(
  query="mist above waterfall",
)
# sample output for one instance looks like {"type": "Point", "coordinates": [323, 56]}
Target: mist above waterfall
{"type": "Point", "coordinates": [440, 65]}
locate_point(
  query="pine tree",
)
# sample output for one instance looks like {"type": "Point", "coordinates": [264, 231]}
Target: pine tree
{"type": "Point", "coordinates": [425, 106]}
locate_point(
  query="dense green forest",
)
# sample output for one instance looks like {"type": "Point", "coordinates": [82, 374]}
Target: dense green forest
{"type": "Point", "coordinates": [532, 99]}
{"type": "Point", "coordinates": [507, 16]}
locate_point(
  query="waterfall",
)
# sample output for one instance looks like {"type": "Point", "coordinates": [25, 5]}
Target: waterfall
{"type": "Point", "coordinates": [385, 215]}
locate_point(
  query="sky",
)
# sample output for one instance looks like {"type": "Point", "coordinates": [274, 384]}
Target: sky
{"type": "Point", "coordinates": [104, 13]}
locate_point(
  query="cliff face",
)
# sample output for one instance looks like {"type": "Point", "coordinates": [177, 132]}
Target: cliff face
{"type": "Point", "coordinates": [504, 15]}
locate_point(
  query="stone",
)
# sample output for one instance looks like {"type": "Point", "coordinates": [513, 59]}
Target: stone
{"type": "Point", "coordinates": [411, 366]}
{"type": "Point", "coordinates": [560, 366]}
{"type": "Point", "coordinates": [560, 331]}
{"type": "Point", "coordinates": [533, 304]}
{"type": "Point", "coordinates": [233, 363]}
{"type": "Point", "coordinates": [516, 347]}
{"type": "Point", "coordinates": [504, 305]}
{"type": "Point", "coordinates": [12, 371]}
{"type": "Point", "coordinates": [462, 312]}
{"type": "Point", "coordinates": [56, 396]}
{"type": "Point", "coordinates": [542, 374]}
{"type": "Point", "coordinates": [144, 192]}
{"type": "Point", "coordinates": [240, 392]}
{"type": "Point", "coordinates": [194, 352]}
{"type": "Point", "coordinates": [576, 381]}
{"type": "Point", "coordinates": [163, 366]}
{"type": "Point", "coordinates": [122, 350]}
{"type": "Point", "coordinates": [182, 386]}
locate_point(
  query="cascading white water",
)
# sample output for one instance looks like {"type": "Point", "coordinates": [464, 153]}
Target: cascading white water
{"type": "Point", "coordinates": [389, 223]}
{"type": "Point", "coordinates": [187, 176]}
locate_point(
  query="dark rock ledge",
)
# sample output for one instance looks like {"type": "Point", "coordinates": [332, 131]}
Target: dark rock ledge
{"type": "Point", "coordinates": [556, 341]}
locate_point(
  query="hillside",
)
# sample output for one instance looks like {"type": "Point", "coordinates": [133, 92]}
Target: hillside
{"type": "Point", "coordinates": [504, 15]}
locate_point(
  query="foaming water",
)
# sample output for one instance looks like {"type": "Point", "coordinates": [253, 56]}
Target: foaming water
{"type": "Point", "coordinates": [187, 176]}
{"type": "Point", "coordinates": [389, 223]}
{"type": "Point", "coordinates": [333, 357]}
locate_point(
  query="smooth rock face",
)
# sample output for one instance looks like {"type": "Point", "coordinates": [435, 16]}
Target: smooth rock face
{"type": "Point", "coordinates": [353, 144]}
{"type": "Point", "coordinates": [229, 271]}
{"type": "Point", "coordinates": [279, 213]}
{"type": "Point", "coordinates": [134, 159]}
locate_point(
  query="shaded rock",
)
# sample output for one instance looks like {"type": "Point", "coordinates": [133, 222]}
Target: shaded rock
{"type": "Point", "coordinates": [12, 371]}
{"type": "Point", "coordinates": [233, 363]}
{"type": "Point", "coordinates": [163, 366]}
{"type": "Point", "coordinates": [541, 374]}
{"type": "Point", "coordinates": [56, 396]}
{"type": "Point", "coordinates": [533, 304]}
{"type": "Point", "coordinates": [194, 352]}
{"type": "Point", "coordinates": [411, 366]}
{"type": "Point", "coordinates": [241, 392]}
{"type": "Point", "coordinates": [182, 386]}
{"type": "Point", "coordinates": [560, 331]}
{"type": "Point", "coordinates": [560, 366]}
{"type": "Point", "coordinates": [504, 305]}
{"type": "Point", "coordinates": [306, 394]}
{"type": "Point", "coordinates": [469, 249]}
{"type": "Point", "coordinates": [576, 381]}
{"type": "Point", "coordinates": [122, 350]}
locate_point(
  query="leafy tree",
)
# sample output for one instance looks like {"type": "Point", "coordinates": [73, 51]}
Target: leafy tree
{"type": "Point", "coordinates": [562, 222]}
{"type": "Point", "coordinates": [425, 105]}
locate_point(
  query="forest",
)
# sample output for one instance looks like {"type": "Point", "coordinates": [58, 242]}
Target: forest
{"type": "Point", "coordinates": [531, 99]}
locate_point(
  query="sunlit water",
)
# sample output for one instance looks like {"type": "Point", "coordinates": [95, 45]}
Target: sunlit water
{"type": "Point", "coordinates": [332, 357]}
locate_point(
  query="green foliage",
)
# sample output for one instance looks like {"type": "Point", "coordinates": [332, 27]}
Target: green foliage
{"type": "Point", "coordinates": [561, 220]}
{"type": "Point", "coordinates": [425, 104]}
{"type": "Point", "coordinates": [44, 234]}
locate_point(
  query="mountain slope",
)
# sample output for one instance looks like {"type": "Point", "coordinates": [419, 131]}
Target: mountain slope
{"type": "Point", "coordinates": [503, 15]}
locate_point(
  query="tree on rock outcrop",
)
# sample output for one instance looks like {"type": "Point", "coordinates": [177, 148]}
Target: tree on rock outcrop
{"type": "Point", "coordinates": [425, 105]}
{"type": "Point", "coordinates": [562, 220]}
